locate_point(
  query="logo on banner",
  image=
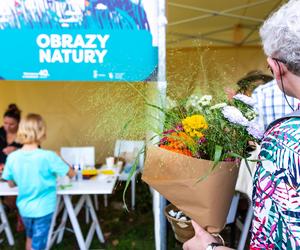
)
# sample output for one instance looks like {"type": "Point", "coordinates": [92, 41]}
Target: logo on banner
{"type": "Point", "coordinates": [42, 74]}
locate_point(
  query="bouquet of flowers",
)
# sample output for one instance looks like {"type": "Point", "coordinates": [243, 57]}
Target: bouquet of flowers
{"type": "Point", "coordinates": [203, 129]}
{"type": "Point", "coordinates": [195, 165]}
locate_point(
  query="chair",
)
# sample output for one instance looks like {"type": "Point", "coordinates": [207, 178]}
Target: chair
{"type": "Point", "coordinates": [79, 155]}
{"type": "Point", "coordinates": [231, 218]}
{"type": "Point", "coordinates": [245, 185]}
{"type": "Point", "coordinates": [129, 150]}
{"type": "Point", "coordinates": [233, 209]}
{"type": "Point", "coordinates": [245, 227]}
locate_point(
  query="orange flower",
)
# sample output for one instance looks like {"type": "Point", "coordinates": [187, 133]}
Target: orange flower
{"type": "Point", "coordinates": [178, 142]}
{"type": "Point", "coordinates": [176, 150]}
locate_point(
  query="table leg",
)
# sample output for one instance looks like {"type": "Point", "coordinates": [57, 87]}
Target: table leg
{"type": "Point", "coordinates": [96, 202]}
{"type": "Point", "coordinates": [74, 222]}
{"type": "Point", "coordinates": [105, 200]}
{"type": "Point", "coordinates": [6, 226]}
{"type": "Point", "coordinates": [62, 226]}
{"type": "Point", "coordinates": [95, 219]}
{"type": "Point", "coordinates": [51, 236]}
{"type": "Point", "coordinates": [87, 216]}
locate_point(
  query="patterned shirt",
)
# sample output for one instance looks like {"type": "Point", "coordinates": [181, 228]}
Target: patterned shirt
{"type": "Point", "coordinates": [271, 104]}
{"type": "Point", "coordinates": [276, 193]}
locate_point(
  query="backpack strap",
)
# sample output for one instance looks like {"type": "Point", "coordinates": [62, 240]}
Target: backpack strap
{"type": "Point", "coordinates": [291, 115]}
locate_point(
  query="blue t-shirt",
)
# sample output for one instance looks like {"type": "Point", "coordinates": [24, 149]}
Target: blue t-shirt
{"type": "Point", "coordinates": [34, 172]}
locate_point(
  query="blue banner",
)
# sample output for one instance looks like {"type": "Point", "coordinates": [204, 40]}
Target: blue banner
{"type": "Point", "coordinates": [80, 40]}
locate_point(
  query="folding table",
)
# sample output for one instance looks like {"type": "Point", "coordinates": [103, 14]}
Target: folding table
{"type": "Point", "coordinates": [102, 184]}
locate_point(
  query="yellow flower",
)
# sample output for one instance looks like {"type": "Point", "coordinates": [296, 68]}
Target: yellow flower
{"type": "Point", "coordinates": [193, 124]}
{"type": "Point", "coordinates": [188, 129]}
{"type": "Point", "coordinates": [199, 134]}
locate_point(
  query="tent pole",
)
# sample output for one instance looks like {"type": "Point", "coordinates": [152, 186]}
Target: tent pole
{"type": "Point", "coordinates": [159, 201]}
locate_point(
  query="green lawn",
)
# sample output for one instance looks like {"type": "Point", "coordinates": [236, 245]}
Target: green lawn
{"type": "Point", "coordinates": [122, 230]}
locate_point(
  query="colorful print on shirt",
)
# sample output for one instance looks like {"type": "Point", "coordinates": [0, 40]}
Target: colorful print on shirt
{"type": "Point", "coordinates": [276, 194]}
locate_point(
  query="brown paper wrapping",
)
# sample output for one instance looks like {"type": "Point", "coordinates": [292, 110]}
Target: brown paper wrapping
{"type": "Point", "coordinates": [175, 177]}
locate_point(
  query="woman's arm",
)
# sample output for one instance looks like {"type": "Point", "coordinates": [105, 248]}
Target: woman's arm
{"type": "Point", "coordinates": [9, 149]}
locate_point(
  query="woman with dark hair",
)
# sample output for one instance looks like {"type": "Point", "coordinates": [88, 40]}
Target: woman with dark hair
{"type": "Point", "coordinates": [252, 80]}
{"type": "Point", "coordinates": [8, 132]}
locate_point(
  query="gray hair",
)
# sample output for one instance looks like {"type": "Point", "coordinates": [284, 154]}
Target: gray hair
{"type": "Point", "coordinates": [280, 35]}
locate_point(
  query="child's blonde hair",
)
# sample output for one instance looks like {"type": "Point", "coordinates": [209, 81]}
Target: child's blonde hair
{"type": "Point", "coordinates": [32, 129]}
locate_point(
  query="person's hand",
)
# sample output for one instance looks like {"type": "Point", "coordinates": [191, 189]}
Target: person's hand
{"type": "Point", "coordinates": [8, 150]}
{"type": "Point", "coordinates": [71, 173]}
{"type": "Point", "coordinates": [201, 239]}
{"type": "Point", "coordinates": [230, 93]}
{"type": "Point", "coordinates": [11, 184]}
{"type": "Point", "coordinates": [1, 167]}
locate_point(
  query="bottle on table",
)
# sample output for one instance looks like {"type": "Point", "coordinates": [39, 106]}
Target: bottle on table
{"type": "Point", "coordinates": [79, 173]}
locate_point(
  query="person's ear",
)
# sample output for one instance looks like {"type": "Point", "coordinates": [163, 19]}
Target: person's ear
{"type": "Point", "coordinates": [278, 68]}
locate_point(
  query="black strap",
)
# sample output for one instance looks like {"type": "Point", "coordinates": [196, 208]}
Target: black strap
{"type": "Point", "coordinates": [213, 245]}
{"type": "Point", "coordinates": [291, 115]}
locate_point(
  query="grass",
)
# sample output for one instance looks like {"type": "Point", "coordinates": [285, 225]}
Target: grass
{"type": "Point", "coordinates": [133, 230]}
{"type": "Point", "coordinates": [122, 230]}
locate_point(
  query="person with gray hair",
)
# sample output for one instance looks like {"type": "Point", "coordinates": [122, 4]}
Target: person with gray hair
{"type": "Point", "coordinates": [276, 193]}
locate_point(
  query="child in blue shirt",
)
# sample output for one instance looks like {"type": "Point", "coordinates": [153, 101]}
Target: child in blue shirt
{"type": "Point", "coordinates": [34, 171]}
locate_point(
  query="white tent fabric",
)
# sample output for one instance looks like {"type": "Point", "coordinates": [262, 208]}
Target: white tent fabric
{"type": "Point", "coordinates": [217, 22]}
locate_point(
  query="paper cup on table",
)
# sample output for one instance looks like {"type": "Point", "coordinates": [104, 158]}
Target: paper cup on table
{"type": "Point", "coordinates": [119, 164]}
{"type": "Point", "coordinates": [110, 162]}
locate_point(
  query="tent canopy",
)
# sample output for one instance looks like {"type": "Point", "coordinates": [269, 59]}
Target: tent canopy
{"type": "Point", "coordinates": [217, 23]}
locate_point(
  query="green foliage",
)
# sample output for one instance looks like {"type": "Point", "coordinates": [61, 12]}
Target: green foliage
{"type": "Point", "coordinates": [199, 126]}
